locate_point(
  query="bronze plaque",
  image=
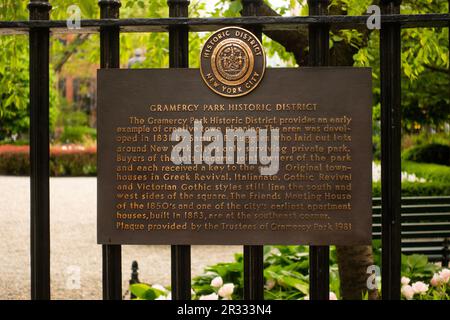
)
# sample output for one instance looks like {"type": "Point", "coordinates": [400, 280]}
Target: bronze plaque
{"type": "Point", "coordinates": [314, 187]}
{"type": "Point", "coordinates": [232, 62]}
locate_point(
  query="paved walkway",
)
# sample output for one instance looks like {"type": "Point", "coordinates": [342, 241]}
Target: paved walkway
{"type": "Point", "coordinates": [73, 243]}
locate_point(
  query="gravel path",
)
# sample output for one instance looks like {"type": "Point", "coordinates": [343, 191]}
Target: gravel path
{"type": "Point", "coordinates": [73, 243]}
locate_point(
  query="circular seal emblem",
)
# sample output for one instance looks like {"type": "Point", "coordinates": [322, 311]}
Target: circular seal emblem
{"type": "Point", "coordinates": [232, 62]}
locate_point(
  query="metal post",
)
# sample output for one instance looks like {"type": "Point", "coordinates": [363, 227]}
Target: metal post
{"type": "Point", "coordinates": [445, 253]}
{"type": "Point", "coordinates": [319, 256]}
{"type": "Point", "coordinates": [39, 152]}
{"type": "Point", "coordinates": [253, 255]}
{"type": "Point", "coordinates": [249, 9]}
{"type": "Point", "coordinates": [109, 58]}
{"type": "Point", "coordinates": [390, 65]}
{"type": "Point", "coordinates": [134, 276]}
{"type": "Point", "coordinates": [179, 58]}
{"type": "Point", "coordinates": [253, 272]}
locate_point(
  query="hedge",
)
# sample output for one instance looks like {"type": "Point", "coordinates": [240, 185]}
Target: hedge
{"type": "Point", "coordinates": [416, 189]}
{"type": "Point", "coordinates": [429, 153]}
{"type": "Point", "coordinates": [428, 171]}
{"type": "Point", "coordinates": [77, 134]}
{"type": "Point", "coordinates": [70, 160]}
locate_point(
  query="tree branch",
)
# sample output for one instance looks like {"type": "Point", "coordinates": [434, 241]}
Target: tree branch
{"type": "Point", "coordinates": [71, 49]}
{"type": "Point", "coordinates": [297, 43]}
{"type": "Point", "coordinates": [437, 69]}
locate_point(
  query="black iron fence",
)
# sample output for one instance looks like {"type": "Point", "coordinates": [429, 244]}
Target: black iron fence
{"type": "Point", "coordinates": [39, 28]}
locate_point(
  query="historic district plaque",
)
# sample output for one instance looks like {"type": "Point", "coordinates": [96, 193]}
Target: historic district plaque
{"type": "Point", "coordinates": [233, 153]}
{"type": "Point", "coordinates": [320, 194]}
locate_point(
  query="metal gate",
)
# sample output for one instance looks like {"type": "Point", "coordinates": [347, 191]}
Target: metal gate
{"type": "Point", "coordinates": [178, 25]}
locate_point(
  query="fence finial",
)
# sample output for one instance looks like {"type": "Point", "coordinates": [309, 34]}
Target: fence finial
{"type": "Point", "coordinates": [134, 272]}
{"type": "Point", "coordinates": [394, 2]}
{"type": "Point", "coordinates": [39, 10]}
{"type": "Point", "coordinates": [109, 2]}
{"type": "Point", "coordinates": [109, 9]}
{"type": "Point", "coordinates": [249, 7]}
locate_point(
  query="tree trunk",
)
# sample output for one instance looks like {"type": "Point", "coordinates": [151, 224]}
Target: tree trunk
{"type": "Point", "coordinates": [353, 262]}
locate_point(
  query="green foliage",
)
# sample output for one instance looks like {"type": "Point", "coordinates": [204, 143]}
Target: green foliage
{"type": "Point", "coordinates": [429, 153]}
{"type": "Point", "coordinates": [285, 272]}
{"type": "Point", "coordinates": [437, 180]}
{"type": "Point", "coordinates": [286, 275]}
{"type": "Point", "coordinates": [414, 266]}
{"type": "Point", "coordinates": [89, 9]}
{"type": "Point", "coordinates": [425, 102]}
{"type": "Point", "coordinates": [144, 291]}
{"type": "Point", "coordinates": [14, 89]}
{"type": "Point", "coordinates": [417, 275]}
{"type": "Point", "coordinates": [424, 62]}
{"type": "Point", "coordinates": [417, 268]}
{"type": "Point", "coordinates": [14, 83]}
{"type": "Point", "coordinates": [430, 172]}
{"type": "Point", "coordinates": [227, 9]}
{"type": "Point", "coordinates": [425, 138]}
{"type": "Point", "coordinates": [78, 134]}
{"type": "Point", "coordinates": [352, 7]}
{"type": "Point", "coordinates": [156, 45]}
{"type": "Point", "coordinates": [414, 189]}
{"type": "Point", "coordinates": [230, 272]}
{"type": "Point", "coordinates": [376, 147]}
{"type": "Point", "coordinates": [14, 78]}
{"type": "Point", "coordinates": [74, 118]}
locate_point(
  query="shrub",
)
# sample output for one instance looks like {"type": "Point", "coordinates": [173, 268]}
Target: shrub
{"type": "Point", "coordinates": [425, 138]}
{"type": "Point", "coordinates": [430, 153]}
{"type": "Point", "coordinates": [430, 179]}
{"type": "Point", "coordinates": [412, 189]}
{"type": "Point", "coordinates": [430, 172]}
{"type": "Point", "coordinates": [376, 147]}
{"type": "Point", "coordinates": [72, 118]}
{"type": "Point", "coordinates": [64, 160]}
{"type": "Point", "coordinates": [77, 134]}
{"type": "Point", "coordinates": [14, 160]}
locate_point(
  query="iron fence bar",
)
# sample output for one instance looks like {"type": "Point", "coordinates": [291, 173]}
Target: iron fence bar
{"type": "Point", "coordinates": [39, 153]}
{"type": "Point", "coordinates": [253, 272]}
{"type": "Point", "coordinates": [446, 251]}
{"type": "Point", "coordinates": [110, 58]}
{"type": "Point", "coordinates": [319, 56]}
{"type": "Point", "coordinates": [390, 67]}
{"type": "Point", "coordinates": [212, 24]}
{"type": "Point", "coordinates": [253, 255]}
{"type": "Point", "coordinates": [249, 9]}
{"type": "Point", "coordinates": [179, 58]}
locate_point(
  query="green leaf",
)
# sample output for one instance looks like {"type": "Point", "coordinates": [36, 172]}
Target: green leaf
{"type": "Point", "coordinates": [298, 284]}
{"type": "Point", "coordinates": [139, 290]}
{"type": "Point", "coordinates": [337, 38]}
{"type": "Point", "coordinates": [416, 261]}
